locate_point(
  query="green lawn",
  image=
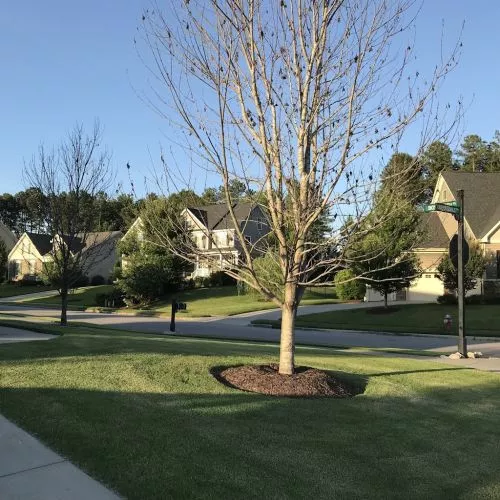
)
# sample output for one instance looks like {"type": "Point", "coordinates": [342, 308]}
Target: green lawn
{"type": "Point", "coordinates": [412, 318]}
{"type": "Point", "coordinates": [217, 301]}
{"type": "Point", "coordinates": [142, 414]}
{"type": "Point", "coordinates": [11, 290]}
{"type": "Point", "coordinates": [225, 301]}
{"type": "Point", "coordinates": [79, 298]}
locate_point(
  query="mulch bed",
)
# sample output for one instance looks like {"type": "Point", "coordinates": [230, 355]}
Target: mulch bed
{"type": "Point", "coordinates": [265, 379]}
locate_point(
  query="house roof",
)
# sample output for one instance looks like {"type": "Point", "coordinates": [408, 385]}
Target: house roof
{"type": "Point", "coordinates": [7, 236]}
{"type": "Point", "coordinates": [42, 242]}
{"type": "Point", "coordinates": [482, 198]}
{"type": "Point", "coordinates": [217, 216]}
{"type": "Point", "coordinates": [434, 233]}
{"type": "Point", "coordinates": [82, 242]}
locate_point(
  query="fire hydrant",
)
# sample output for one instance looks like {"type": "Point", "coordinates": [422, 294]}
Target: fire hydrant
{"type": "Point", "coordinates": [447, 322]}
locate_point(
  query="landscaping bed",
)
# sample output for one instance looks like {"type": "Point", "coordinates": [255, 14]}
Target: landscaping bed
{"type": "Point", "coordinates": [265, 379]}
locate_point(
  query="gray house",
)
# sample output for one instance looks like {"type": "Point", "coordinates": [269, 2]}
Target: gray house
{"type": "Point", "coordinates": [214, 233]}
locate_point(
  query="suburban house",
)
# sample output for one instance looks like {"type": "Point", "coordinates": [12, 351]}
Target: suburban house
{"type": "Point", "coordinates": [97, 251]}
{"type": "Point", "coordinates": [214, 234]}
{"type": "Point", "coordinates": [7, 236]}
{"type": "Point", "coordinates": [481, 226]}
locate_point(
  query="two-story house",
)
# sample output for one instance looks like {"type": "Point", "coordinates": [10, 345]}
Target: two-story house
{"type": "Point", "coordinates": [214, 235]}
{"type": "Point", "coordinates": [481, 226]}
{"type": "Point", "coordinates": [96, 251]}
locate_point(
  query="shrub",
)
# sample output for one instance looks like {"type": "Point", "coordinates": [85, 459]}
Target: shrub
{"type": "Point", "coordinates": [112, 299]}
{"type": "Point", "coordinates": [447, 298]}
{"type": "Point", "coordinates": [148, 277]}
{"type": "Point", "coordinates": [220, 278]}
{"type": "Point", "coordinates": [97, 280]}
{"type": "Point", "coordinates": [198, 281]}
{"type": "Point", "coordinates": [347, 287]}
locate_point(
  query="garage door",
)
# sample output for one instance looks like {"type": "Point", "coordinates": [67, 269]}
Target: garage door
{"type": "Point", "coordinates": [428, 288]}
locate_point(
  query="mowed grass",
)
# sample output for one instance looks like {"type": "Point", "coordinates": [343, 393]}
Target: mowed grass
{"type": "Point", "coordinates": [201, 302]}
{"type": "Point", "coordinates": [142, 414]}
{"type": "Point", "coordinates": [225, 301]}
{"type": "Point", "coordinates": [78, 298]}
{"type": "Point", "coordinates": [481, 320]}
{"type": "Point", "coordinates": [11, 290]}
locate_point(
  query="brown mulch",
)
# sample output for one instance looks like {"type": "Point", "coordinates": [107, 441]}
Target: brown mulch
{"type": "Point", "coordinates": [265, 379]}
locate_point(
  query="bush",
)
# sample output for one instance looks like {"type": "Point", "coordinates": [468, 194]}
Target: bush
{"type": "Point", "coordinates": [198, 281]}
{"type": "Point", "coordinates": [149, 277]}
{"type": "Point", "coordinates": [474, 299]}
{"type": "Point", "coordinates": [112, 299]}
{"type": "Point", "coordinates": [447, 298]}
{"type": "Point", "coordinates": [220, 278]}
{"type": "Point", "coordinates": [347, 287]}
{"type": "Point", "coordinates": [97, 280]}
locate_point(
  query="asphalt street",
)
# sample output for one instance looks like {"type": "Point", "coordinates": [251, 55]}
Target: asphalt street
{"type": "Point", "coordinates": [237, 327]}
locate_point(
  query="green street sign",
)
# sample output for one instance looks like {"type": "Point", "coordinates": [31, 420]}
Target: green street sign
{"type": "Point", "coordinates": [442, 207]}
{"type": "Point", "coordinates": [450, 207]}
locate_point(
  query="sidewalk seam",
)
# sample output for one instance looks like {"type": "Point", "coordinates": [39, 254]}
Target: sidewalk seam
{"type": "Point", "coordinates": [33, 468]}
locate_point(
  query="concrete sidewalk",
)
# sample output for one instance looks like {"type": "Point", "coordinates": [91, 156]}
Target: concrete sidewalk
{"type": "Point", "coordinates": [30, 471]}
{"type": "Point", "coordinates": [11, 335]}
{"type": "Point", "coordinates": [30, 296]}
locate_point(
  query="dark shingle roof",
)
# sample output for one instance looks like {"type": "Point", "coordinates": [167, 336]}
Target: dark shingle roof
{"type": "Point", "coordinates": [42, 242]}
{"type": "Point", "coordinates": [218, 216]}
{"type": "Point", "coordinates": [434, 234]}
{"type": "Point", "coordinates": [482, 198]}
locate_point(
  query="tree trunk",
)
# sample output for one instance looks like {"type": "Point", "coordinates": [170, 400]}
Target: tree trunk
{"type": "Point", "coordinates": [287, 340]}
{"type": "Point", "coordinates": [385, 299]}
{"type": "Point", "coordinates": [64, 307]}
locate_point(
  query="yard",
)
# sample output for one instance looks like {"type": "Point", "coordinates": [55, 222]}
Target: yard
{"type": "Point", "coordinates": [143, 414]}
{"type": "Point", "coordinates": [412, 318]}
{"type": "Point", "coordinates": [217, 301]}
{"type": "Point", "coordinates": [11, 290]}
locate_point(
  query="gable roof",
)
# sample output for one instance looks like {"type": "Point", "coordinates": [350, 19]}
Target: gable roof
{"type": "Point", "coordinates": [91, 240]}
{"type": "Point", "coordinates": [434, 233]}
{"type": "Point", "coordinates": [482, 198]}
{"type": "Point", "coordinates": [217, 216]}
{"type": "Point", "coordinates": [42, 242]}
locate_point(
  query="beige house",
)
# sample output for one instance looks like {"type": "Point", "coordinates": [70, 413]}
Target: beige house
{"type": "Point", "coordinates": [481, 225]}
{"type": "Point", "coordinates": [97, 252]}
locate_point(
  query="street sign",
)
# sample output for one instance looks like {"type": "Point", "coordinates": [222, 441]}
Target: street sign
{"type": "Point", "coordinates": [442, 207]}
{"type": "Point", "coordinates": [450, 207]}
{"type": "Point", "coordinates": [454, 251]}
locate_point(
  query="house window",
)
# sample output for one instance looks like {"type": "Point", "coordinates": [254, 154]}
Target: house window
{"type": "Point", "coordinates": [248, 239]}
{"type": "Point", "coordinates": [31, 267]}
{"type": "Point", "coordinates": [260, 224]}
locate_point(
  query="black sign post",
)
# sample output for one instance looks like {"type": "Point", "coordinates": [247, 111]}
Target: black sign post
{"type": "Point", "coordinates": [462, 340]}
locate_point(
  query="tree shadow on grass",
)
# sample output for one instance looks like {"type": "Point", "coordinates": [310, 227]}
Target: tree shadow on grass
{"type": "Point", "coordinates": [241, 445]}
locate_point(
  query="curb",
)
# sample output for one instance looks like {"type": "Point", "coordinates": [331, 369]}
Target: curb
{"type": "Point", "coordinates": [371, 332]}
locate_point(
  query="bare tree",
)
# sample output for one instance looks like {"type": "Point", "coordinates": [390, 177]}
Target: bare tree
{"type": "Point", "coordinates": [296, 99]}
{"type": "Point", "coordinates": [69, 177]}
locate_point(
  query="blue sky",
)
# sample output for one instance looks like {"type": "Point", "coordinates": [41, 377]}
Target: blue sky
{"type": "Point", "coordinates": [67, 61]}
